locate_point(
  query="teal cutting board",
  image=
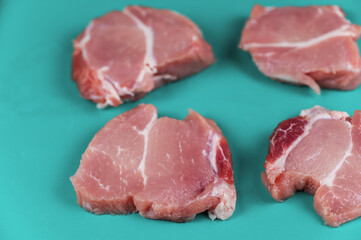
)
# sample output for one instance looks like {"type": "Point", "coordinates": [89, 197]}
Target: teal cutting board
{"type": "Point", "coordinates": [45, 125]}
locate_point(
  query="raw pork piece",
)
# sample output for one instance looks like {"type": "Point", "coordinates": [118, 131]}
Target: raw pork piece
{"type": "Point", "coordinates": [318, 152]}
{"type": "Point", "coordinates": [314, 46]}
{"type": "Point", "coordinates": [164, 168]}
{"type": "Point", "coordinates": [124, 55]}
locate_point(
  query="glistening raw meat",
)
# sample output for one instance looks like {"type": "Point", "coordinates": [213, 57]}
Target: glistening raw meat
{"type": "Point", "coordinates": [314, 46]}
{"type": "Point", "coordinates": [318, 152]}
{"type": "Point", "coordinates": [124, 55]}
{"type": "Point", "coordinates": [164, 168]}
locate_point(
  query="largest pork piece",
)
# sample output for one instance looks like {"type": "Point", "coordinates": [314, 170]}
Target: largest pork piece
{"type": "Point", "coordinates": [314, 46]}
{"type": "Point", "coordinates": [318, 152]}
{"type": "Point", "coordinates": [164, 168]}
{"type": "Point", "coordinates": [125, 54]}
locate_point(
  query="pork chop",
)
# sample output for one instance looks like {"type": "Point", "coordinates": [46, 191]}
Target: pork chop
{"type": "Point", "coordinates": [318, 152]}
{"type": "Point", "coordinates": [164, 168]}
{"type": "Point", "coordinates": [124, 55]}
{"type": "Point", "coordinates": [314, 46]}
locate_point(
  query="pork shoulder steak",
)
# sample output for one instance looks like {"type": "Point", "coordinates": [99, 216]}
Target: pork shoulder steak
{"type": "Point", "coordinates": [164, 168]}
{"type": "Point", "coordinates": [124, 55]}
{"type": "Point", "coordinates": [314, 46]}
{"type": "Point", "coordinates": [318, 152]}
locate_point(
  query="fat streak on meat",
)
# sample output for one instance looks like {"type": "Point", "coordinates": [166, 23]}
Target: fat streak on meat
{"type": "Point", "coordinates": [164, 168]}
{"type": "Point", "coordinates": [318, 152]}
{"type": "Point", "coordinates": [124, 55]}
{"type": "Point", "coordinates": [314, 46]}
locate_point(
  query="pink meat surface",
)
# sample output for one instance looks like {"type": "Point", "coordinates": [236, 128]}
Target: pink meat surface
{"type": "Point", "coordinates": [318, 152]}
{"type": "Point", "coordinates": [124, 55]}
{"type": "Point", "coordinates": [164, 168]}
{"type": "Point", "coordinates": [314, 46]}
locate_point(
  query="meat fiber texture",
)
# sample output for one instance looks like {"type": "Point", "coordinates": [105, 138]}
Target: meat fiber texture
{"type": "Point", "coordinates": [121, 56]}
{"type": "Point", "coordinates": [318, 152]}
{"type": "Point", "coordinates": [314, 46]}
{"type": "Point", "coordinates": [162, 168]}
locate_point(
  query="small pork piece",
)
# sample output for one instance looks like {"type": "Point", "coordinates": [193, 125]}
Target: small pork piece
{"type": "Point", "coordinates": [162, 168]}
{"type": "Point", "coordinates": [121, 56]}
{"type": "Point", "coordinates": [314, 46]}
{"type": "Point", "coordinates": [318, 152]}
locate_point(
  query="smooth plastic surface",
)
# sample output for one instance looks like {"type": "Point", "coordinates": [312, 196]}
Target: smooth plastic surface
{"type": "Point", "coordinates": [45, 125]}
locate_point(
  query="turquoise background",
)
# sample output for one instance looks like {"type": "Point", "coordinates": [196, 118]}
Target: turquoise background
{"type": "Point", "coordinates": [45, 125]}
